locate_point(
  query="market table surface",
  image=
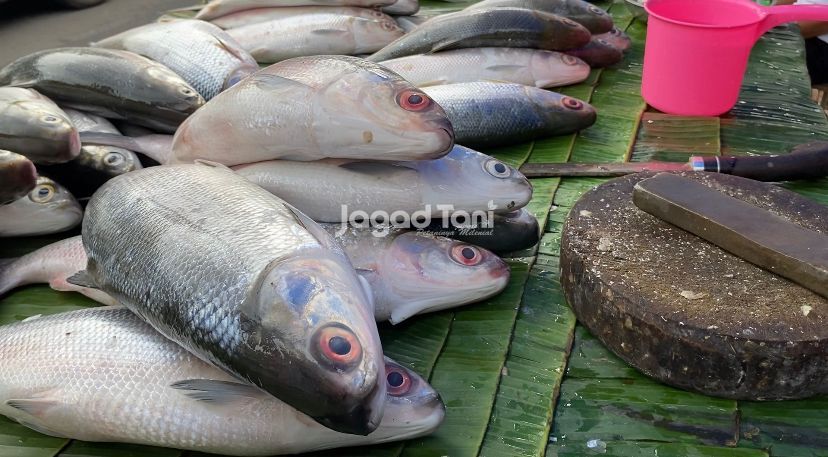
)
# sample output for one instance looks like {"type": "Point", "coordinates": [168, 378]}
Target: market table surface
{"type": "Point", "coordinates": [518, 375]}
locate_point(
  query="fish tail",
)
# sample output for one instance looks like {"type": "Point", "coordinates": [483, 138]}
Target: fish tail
{"type": "Point", "coordinates": [8, 278]}
{"type": "Point", "coordinates": [156, 147]}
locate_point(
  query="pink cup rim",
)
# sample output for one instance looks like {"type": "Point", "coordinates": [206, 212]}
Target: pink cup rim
{"type": "Point", "coordinates": [761, 14]}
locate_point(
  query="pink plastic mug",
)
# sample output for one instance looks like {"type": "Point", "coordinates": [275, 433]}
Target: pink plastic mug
{"type": "Point", "coordinates": [697, 50]}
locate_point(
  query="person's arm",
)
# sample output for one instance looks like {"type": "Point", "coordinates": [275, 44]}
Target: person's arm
{"type": "Point", "coordinates": [812, 29]}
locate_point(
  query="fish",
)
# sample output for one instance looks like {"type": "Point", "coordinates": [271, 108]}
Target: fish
{"type": "Point", "coordinates": [412, 273]}
{"type": "Point", "coordinates": [598, 53]}
{"type": "Point", "coordinates": [617, 39]}
{"type": "Point", "coordinates": [34, 126]}
{"type": "Point", "coordinates": [156, 393]}
{"type": "Point", "coordinates": [508, 232]}
{"type": "Point", "coordinates": [530, 67]}
{"type": "Point", "coordinates": [218, 8]}
{"type": "Point", "coordinates": [488, 27]}
{"type": "Point", "coordinates": [595, 19]}
{"type": "Point", "coordinates": [311, 108]}
{"type": "Point", "coordinates": [18, 176]}
{"type": "Point", "coordinates": [48, 208]}
{"type": "Point", "coordinates": [243, 280]}
{"type": "Point", "coordinates": [109, 160]}
{"type": "Point", "coordinates": [409, 23]}
{"type": "Point", "coordinates": [208, 58]}
{"type": "Point", "coordinates": [316, 34]}
{"type": "Point", "coordinates": [402, 7]}
{"type": "Point", "coordinates": [259, 15]}
{"type": "Point", "coordinates": [407, 272]}
{"type": "Point", "coordinates": [476, 112]}
{"type": "Point", "coordinates": [339, 190]}
{"type": "Point", "coordinates": [110, 83]}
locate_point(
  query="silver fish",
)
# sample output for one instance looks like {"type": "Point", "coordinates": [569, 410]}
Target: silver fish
{"type": "Point", "coordinates": [488, 27]}
{"type": "Point", "coordinates": [110, 83]}
{"type": "Point", "coordinates": [259, 15]}
{"type": "Point", "coordinates": [530, 67]}
{"type": "Point", "coordinates": [156, 393]}
{"type": "Point", "coordinates": [206, 57]}
{"type": "Point", "coordinates": [408, 272]}
{"type": "Point", "coordinates": [48, 208]}
{"type": "Point", "coordinates": [414, 273]}
{"type": "Point", "coordinates": [532, 112]}
{"type": "Point", "coordinates": [336, 190]}
{"type": "Point", "coordinates": [18, 176]}
{"type": "Point", "coordinates": [235, 275]}
{"type": "Point", "coordinates": [34, 126]}
{"type": "Point", "coordinates": [110, 160]}
{"type": "Point", "coordinates": [402, 7]}
{"type": "Point", "coordinates": [595, 19]}
{"type": "Point", "coordinates": [316, 34]}
{"type": "Point", "coordinates": [218, 8]}
{"type": "Point", "coordinates": [312, 108]}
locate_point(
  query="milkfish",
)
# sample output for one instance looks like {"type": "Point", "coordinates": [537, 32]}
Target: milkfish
{"type": "Point", "coordinates": [598, 53]}
{"type": "Point", "coordinates": [508, 232]}
{"type": "Point", "coordinates": [206, 57]}
{"type": "Point", "coordinates": [18, 176]}
{"type": "Point", "coordinates": [259, 15]}
{"type": "Point", "coordinates": [408, 272]}
{"type": "Point", "coordinates": [595, 19]}
{"type": "Point", "coordinates": [218, 8]}
{"type": "Point", "coordinates": [317, 34]}
{"type": "Point", "coordinates": [75, 374]}
{"type": "Point", "coordinates": [413, 273]}
{"type": "Point", "coordinates": [488, 27]}
{"type": "Point", "coordinates": [34, 126]}
{"type": "Point", "coordinates": [530, 67]}
{"type": "Point", "coordinates": [48, 208]}
{"type": "Point", "coordinates": [245, 281]}
{"type": "Point", "coordinates": [110, 83]}
{"type": "Point", "coordinates": [110, 160]}
{"type": "Point", "coordinates": [336, 190]}
{"type": "Point", "coordinates": [487, 113]}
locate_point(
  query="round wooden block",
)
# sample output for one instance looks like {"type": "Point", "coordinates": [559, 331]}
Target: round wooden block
{"type": "Point", "coordinates": [684, 311]}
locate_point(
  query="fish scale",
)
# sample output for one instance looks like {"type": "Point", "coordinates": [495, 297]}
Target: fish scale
{"type": "Point", "coordinates": [207, 258]}
{"type": "Point", "coordinates": [102, 374]}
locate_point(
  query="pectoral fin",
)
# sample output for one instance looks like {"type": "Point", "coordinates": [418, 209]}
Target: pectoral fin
{"type": "Point", "coordinates": [216, 392]}
{"type": "Point", "coordinates": [82, 279]}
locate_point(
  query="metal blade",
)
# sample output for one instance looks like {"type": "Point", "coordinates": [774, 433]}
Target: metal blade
{"type": "Point", "coordinates": [748, 231]}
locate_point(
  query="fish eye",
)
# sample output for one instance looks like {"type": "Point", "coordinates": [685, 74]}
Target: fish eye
{"type": "Point", "coordinates": [42, 193]}
{"type": "Point", "coordinates": [413, 101]}
{"type": "Point", "coordinates": [114, 159]}
{"type": "Point", "coordinates": [398, 380]}
{"type": "Point", "coordinates": [338, 346]}
{"type": "Point", "coordinates": [187, 91]}
{"type": "Point", "coordinates": [498, 169]}
{"type": "Point", "coordinates": [568, 59]}
{"type": "Point", "coordinates": [572, 103]}
{"type": "Point", "coordinates": [467, 255]}
{"type": "Point", "coordinates": [49, 119]}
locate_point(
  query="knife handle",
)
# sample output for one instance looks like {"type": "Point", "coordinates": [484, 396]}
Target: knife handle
{"type": "Point", "coordinates": [809, 161]}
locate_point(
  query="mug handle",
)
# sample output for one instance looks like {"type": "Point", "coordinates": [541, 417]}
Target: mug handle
{"type": "Point", "coordinates": [777, 15]}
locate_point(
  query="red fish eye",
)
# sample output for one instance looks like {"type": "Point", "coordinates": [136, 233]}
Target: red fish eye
{"type": "Point", "coordinates": [398, 380]}
{"type": "Point", "coordinates": [414, 101]}
{"type": "Point", "coordinates": [569, 60]}
{"type": "Point", "coordinates": [339, 346]}
{"type": "Point", "coordinates": [466, 255]}
{"type": "Point", "coordinates": [572, 103]}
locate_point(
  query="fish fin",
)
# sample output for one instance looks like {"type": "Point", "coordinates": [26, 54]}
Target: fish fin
{"type": "Point", "coordinates": [36, 407]}
{"type": "Point", "coordinates": [442, 46]}
{"type": "Point", "coordinates": [7, 279]}
{"type": "Point", "coordinates": [369, 292]}
{"type": "Point", "coordinates": [32, 318]}
{"type": "Point", "coordinates": [505, 67]}
{"type": "Point", "coordinates": [216, 392]}
{"type": "Point", "coordinates": [436, 82]}
{"type": "Point", "coordinates": [329, 32]}
{"type": "Point", "coordinates": [155, 146]}
{"type": "Point", "coordinates": [39, 428]}
{"type": "Point", "coordinates": [234, 52]}
{"type": "Point", "coordinates": [23, 84]}
{"type": "Point", "coordinates": [323, 237]}
{"type": "Point", "coordinates": [375, 169]}
{"type": "Point", "coordinates": [211, 164]}
{"type": "Point", "coordinates": [82, 279]}
{"type": "Point", "coordinates": [267, 80]}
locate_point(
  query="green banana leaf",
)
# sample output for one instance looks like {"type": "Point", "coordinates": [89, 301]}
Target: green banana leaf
{"type": "Point", "coordinates": [518, 375]}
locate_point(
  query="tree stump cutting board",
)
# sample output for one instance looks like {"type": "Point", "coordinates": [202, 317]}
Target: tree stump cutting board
{"type": "Point", "coordinates": [686, 312]}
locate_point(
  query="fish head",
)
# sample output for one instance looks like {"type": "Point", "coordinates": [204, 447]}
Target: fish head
{"type": "Point", "coordinates": [374, 110]}
{"type": "Point", "coordinates": [546, 64]}
{"type": "Point", "coordinates": [565, 112]}
{"type": "Point", "coordinates": [18, 175]}
{"type": "Point", "coordinates": [51, 207]}
{"type": "Point", "coordinates": [375, 32]}
{"type": "Point", "coordinates": [46, 132]}
{"type": "Point", "coordinates": [111, 160]}
{"type": "Point", "coordinates": [425, 273]}
{"type": "Point", "coordinates": [473, 180]}
{"type": "Point", "coordinates": [412, 407]}
{"type": "Point", "coordinates": [170, 90]}
{"type": "Point", "coordinates": [313, 324]}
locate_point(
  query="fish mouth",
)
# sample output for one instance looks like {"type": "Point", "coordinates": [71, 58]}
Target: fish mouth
{"type": "Point", "coordinates": [362, 419]}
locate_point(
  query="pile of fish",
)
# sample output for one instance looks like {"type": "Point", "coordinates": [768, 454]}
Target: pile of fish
{"type": "Point", "coordinates": [248, 227]}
